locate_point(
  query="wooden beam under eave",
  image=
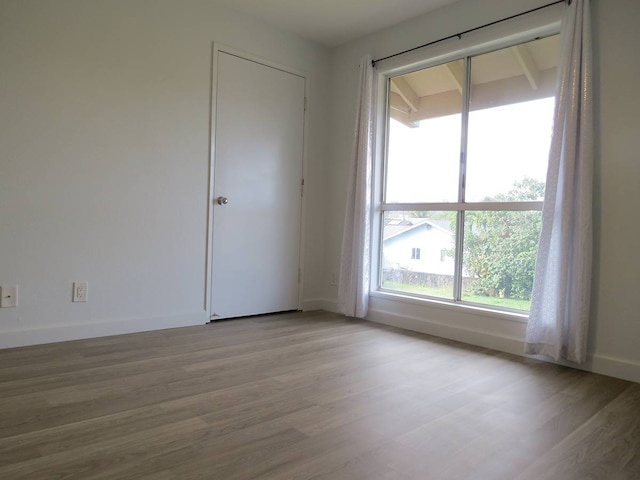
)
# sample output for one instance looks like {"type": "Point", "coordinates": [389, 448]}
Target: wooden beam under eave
{"type": "Point", "coordinates": [403, 118]}
{"type": "Point", "coordinates": [399, 110]}
{"type": "Point", "coordinates": [527, 64]}
{"type": "Point", "coordinates": [396, 102]}
{"type": "Point", "coordinates": [406, 92]}
{"type": "Point", "coordinates": [455, 70]}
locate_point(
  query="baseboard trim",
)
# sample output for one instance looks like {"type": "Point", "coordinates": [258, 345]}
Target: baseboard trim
{"type": "Point", "coordinates": [615, 367]}
{"type": "Point", "coordinates": [61, 333]}
{"type": "Point", "coordinates": [319, 304]}
{"type": "Point", "coordinates": [601, 364]}
{"type": "Point", "coordinates": [460, 334]}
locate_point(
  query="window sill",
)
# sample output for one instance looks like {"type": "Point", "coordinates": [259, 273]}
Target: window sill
{"type": "Point", "coordinates": [451, 306]}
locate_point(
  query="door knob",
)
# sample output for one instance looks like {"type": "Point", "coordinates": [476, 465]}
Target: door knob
{"type": "Point", "coordinates": [223, 200]}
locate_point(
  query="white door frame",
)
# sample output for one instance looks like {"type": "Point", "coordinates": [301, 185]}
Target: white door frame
{"type": "Point", "coordinates": [217, 48]}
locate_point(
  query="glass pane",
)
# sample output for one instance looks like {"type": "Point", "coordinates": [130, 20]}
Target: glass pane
{"type": "Point", "coordinates": [510, 121]}
{"type": "Point", "coordinates": [423, 160]}
{"type": "Point", "coordinates": [418, 252]}
{"type": "Point", "coordinates": [499, 257]}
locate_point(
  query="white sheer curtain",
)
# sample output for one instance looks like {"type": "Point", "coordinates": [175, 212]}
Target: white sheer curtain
{"type": "Point", "coordinates": [355, 258]}
{"type": "Point", "coordinates": [560, 302]}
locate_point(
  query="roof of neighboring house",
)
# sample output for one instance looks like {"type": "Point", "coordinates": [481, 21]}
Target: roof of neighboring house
{"type": "Point", "coordinates": [396, 227]}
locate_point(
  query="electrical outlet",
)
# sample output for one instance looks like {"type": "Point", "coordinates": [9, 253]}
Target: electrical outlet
{"type": "Point", "coordinates": [80, 291]}
{"type": "Point", "coordinates": [334, 279]}
{"type": "Point", "coordinates": [9, 296]}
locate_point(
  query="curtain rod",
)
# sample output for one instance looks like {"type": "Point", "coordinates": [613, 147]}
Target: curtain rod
{"type": "Point", "coordinates": [459, 35]}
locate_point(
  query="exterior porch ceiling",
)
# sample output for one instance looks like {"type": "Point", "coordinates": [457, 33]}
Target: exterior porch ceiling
{"type": "Point", "coordinates": [512, 75]}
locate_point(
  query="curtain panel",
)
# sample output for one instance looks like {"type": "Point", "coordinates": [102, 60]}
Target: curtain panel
{"type": "Point", "coordinates": [560, 304]}
{"type": "Point", "coordinates": [355, 258]}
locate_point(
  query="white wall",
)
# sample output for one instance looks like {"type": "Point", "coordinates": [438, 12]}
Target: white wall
{"type": "Point", "coordinates": [104, 141]}
{"type": "Point", "coordinates": [616, 312]}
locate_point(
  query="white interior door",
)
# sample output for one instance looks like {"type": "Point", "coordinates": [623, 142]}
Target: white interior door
{"type": "Point", "coordinates": [259, 127]}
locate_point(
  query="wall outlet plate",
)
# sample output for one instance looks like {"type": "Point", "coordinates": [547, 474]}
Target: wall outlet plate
{"type": "Point", "coordinates": [9, 296]}
{"type": "Point", "coordinates": [80, 291]}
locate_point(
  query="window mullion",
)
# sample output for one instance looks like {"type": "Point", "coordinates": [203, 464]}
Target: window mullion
{"type": "Point", "coordinates": [466, 93]}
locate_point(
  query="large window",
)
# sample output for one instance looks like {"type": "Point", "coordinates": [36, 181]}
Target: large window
{"type": "Point", "coordinates": [467, 152]}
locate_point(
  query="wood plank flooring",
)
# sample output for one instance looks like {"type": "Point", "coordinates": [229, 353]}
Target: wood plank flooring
{"type": "Point", "coordinates": [307, 396]}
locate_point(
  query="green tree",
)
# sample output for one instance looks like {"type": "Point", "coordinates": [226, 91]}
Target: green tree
{"type": "Point", "coordinates": [500, 247]}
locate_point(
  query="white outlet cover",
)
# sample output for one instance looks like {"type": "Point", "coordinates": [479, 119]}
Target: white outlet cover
{"type": "Point", "coordinates": [9, 296]}
{"type": "Point", "coordinates": [80, 291]}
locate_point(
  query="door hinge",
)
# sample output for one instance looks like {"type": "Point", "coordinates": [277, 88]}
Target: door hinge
{"type": "Point", "coordinates": [305, 103]}
{"type": "Point", "coordinates": [302, 188]}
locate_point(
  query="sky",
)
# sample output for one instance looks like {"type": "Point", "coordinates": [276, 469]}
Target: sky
{"type": "Point", "coordinates": [505, 144]}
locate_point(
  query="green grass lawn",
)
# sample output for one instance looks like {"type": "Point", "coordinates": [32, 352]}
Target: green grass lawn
{"type": "Point", "coordinates": [447, 293]}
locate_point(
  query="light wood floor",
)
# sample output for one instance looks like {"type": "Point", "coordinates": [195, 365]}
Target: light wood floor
{"type": "Point", "coordinates": [306, 396]}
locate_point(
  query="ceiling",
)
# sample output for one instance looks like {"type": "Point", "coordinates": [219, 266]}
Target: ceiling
{"type": "Point", "coordinates": [334, 22]}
